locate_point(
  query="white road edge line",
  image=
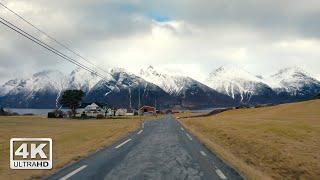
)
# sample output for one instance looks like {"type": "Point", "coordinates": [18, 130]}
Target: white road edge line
{"type": "Point", "coordinates": [140, 131]}
{"type": "Point", "coordinates": [220, 174]}
{"type": "Point", "coordinates": [189, 136]}
{"type": "Point", "coordinates": [203, 153]}
{"type": "Point", "coordinates": [182, 129]}
{"type": "Point", "coordinates": [73, 173]}
{"type": "Point", "coordinates": [123, 143]}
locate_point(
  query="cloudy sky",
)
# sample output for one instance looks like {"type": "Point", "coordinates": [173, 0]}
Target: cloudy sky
{"type": "Point", "coordinates": [193, 37]}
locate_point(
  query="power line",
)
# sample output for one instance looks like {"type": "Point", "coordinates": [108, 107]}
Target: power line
{"type": "Point", "coordinates": [52, 38]}
{"type": "Point", "coordinates": [46, 46]}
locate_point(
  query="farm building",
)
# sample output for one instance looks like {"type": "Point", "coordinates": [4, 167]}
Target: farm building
{"type": "Point", "coordinates": [110, 112]}
{"type": "Point", "coordinates": [92, 110]}
{"type": "Point", "coordinates": [147, 109]}
{"type": "Point", "coordinates": [131, 112]}
{"type": "Point", "coordinates": [121, 112]}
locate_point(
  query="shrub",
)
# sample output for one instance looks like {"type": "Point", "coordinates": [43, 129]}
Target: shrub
{"type": "Point", "coordinates": [100, 116]}
{"type": "Point", "coordinates": [51, 115]}
{"type": "Point", "coordinates": [56, 114]}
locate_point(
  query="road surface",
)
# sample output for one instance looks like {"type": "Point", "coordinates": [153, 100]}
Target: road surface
{"type": "Point", "coordinates": [160, 149]}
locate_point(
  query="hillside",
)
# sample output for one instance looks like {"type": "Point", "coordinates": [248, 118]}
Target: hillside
{"type": "Point", "coordinates": [280, 142]}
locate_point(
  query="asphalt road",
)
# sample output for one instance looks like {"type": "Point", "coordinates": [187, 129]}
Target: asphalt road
{"type": "Point", "coordinates": [161, 149]}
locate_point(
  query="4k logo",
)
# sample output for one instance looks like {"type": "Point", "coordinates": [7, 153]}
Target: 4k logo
{"type": "Point", "coordinates": [31, 153]}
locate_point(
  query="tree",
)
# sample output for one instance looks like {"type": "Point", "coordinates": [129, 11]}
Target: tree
{"type": "Point", "coordinates": [71, 99]}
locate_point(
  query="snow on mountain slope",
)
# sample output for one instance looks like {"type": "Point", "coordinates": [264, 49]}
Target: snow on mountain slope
{"type": "Point", "coordinates": [238, 83]}
{"type": "Point", "coordinates": [84, 80]}
{"type": "Point", "coordinates": [189, 92]}
{"type": "Point", "coordinates": [124, 88]}
{"type": "Point", "coordinates": [226, 86]}
{"type": "Point", "coordinates": [41, 88]}
{"type": "Point", "coordinates": [295, 81]}
{"type": "Point", "coordinates": [8, 86]}
{"type": "Point", "coordinates": [170, 84]}
{"type": "Point", "coordinates": [50, 80]}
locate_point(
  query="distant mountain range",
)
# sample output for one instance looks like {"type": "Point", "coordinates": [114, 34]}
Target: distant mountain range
{"type": "Point", "coordinates": [225, 86]}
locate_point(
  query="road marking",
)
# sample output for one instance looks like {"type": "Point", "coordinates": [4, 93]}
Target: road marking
{"type": "Point", "coordinates": [189, 136]}
{"type": "Point", "coordinates": [182, 129]}
{"type": "Point", "coordinates": [140, 131]}
{"type": "Point", "coordinates": [220, 174]}
{"type": "Point", "coordinates": [203, 153]}
{"type": "Point", "coordinates": [122, 143]}
{"type": "Point", "coordinates": [73, 173]}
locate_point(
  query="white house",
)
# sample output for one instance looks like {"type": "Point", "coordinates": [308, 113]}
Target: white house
{"type": "Point", "coordinates": [121, 112]}
{"type": "Point", "coordinates": [109, 112]}
{"type": "Point", "coordinates": [130, 112]}
{"type": "Point", "coordinates": [92, 110]}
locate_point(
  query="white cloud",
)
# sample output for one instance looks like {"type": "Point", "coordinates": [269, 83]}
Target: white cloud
{"type": "Point", "coordinates": [197, 38]}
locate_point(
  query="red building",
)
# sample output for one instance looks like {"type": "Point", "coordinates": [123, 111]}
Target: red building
{"type": "Point", "coordinates": [147, 109]}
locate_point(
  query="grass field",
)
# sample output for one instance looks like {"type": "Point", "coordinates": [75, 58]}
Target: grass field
{"type": "Point", "coordinates": [72, 139]}
{"type": "Point", "coordinates": [279, 142]}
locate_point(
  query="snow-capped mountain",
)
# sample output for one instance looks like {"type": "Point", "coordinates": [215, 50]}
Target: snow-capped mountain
{"type": "Point", "coordinates": [120, 88]}
{"type": "Point", "coordinates": [124, 88]}
{"type": "Point", "coordinates": [170, 84]}
{"type": "Point", "coordinates": [42, 87]}
{"type": "Point", "coordinates": [189, 92]}
{"type": "Point", "coordinates": [226, 86]}
{"type": "Point", "coordinates": [8, 86]}
{"type": "Point", "coordinates": [239, 84]}
{"type": "Point", "coordinates": [82, 79]}
{"type": "Point", "coordinates": [294, 82]}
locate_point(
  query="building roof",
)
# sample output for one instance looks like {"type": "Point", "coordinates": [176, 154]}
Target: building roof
{"type": "Point", "coordinates": [147, 107]}
{"type": "Point", "coordinates": [92, 106]}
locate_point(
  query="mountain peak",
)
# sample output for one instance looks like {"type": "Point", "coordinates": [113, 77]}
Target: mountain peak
{"type": "Point", "coordinates": [149, 71]}
{"type": "Point", "coordinates": [237, 83]}
{"type": "Point", "coordinates": [119, 70]}
{"type": "Point", "coordinates": [172, 84]}
{"type": "Point", "coordinates": [230, 72]}
{"type": "Point", "coordinates": [150, 67]}
{"type": "Point", "coordinates": [294, 80]}
{"type": "Point", "coordinates": [290, 71]}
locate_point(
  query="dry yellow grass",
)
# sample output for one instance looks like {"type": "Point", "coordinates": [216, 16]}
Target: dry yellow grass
{"type": "Point", "coordinates": [280, 142]}
{"type": "Point", "coordinates": [72, 139]}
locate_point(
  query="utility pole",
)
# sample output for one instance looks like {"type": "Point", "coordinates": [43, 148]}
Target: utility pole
{"type": "Point", "coordinates": [139, 100]}
{"type": "Point", "coordinates": [130, 104]}
{"type": "Point", "coordinates": [155, 105]}
{"type": "Point", "coordinates": [139, 106]}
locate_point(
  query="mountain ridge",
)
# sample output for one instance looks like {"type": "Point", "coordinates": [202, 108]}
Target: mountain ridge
{"type": "Point", "coordinates": [225, 86]}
